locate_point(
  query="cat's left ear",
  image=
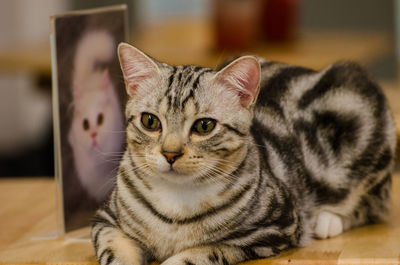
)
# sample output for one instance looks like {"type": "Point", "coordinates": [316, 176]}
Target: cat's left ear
{"type": "Point", "coordinates": [242, 76]}
{"type": "Point", "coordinates": [138, 69]}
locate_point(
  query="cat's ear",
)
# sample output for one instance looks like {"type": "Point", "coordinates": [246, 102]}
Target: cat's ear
{"type": "Point", "coordinates": [137, 68]}
{"type": "Point", "coordinates": [242, 76]}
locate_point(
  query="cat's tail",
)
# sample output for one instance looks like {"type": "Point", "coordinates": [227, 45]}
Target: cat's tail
{"type": "Point", "coordinates": [94, 52]}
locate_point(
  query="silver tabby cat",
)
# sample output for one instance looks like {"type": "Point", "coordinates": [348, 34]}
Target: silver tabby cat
{"type": "Point", "coordinates": [244, 161]}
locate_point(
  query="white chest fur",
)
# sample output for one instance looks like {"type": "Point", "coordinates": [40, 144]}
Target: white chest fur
{"type": "Point", "coordinates": [183, 201]}
{"type": "Point", "coordinates": [177, 202]}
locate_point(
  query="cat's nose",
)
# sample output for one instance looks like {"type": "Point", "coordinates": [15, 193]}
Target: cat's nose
{"type": "Point", "coordinates": [172, 156]}
{"type": "Point", "coordinates": [93, 134]}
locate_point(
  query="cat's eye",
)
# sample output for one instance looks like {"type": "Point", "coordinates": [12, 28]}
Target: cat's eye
{"type": "Point", "coordinates": [150, 122]}
{"type": "Point", "coordinates": [85, 124]}
{"type": "Point", "coordinates": [203, 126]}
{"type": "Point", "coordinates": [100, 119]}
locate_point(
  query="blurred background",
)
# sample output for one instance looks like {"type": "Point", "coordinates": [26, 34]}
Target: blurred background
{"type": "Point", "coordinates": [311, 33]}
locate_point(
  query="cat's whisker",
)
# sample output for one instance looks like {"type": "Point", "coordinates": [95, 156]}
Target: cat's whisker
{"type": "Point", "coordinates": [218, 160]}
{"type": "Point", "coordinates": [111, 161]}
{"type": "Point", "coordinates": [113, 157]}
{"type": "Point", "coordinates": [118, 154]}
{"type": "Point", "coordinates": [223, 174]}
{"type": "Point", "coordinates": [138, 156]}
{"type": "Point", "coordinates": [108, 154]}
{"type": "Point", "coordinates": [218, 173]}
{"type": "Point", "coordinates": [111, 182]}
{"type": "Point", "coordinates": [115, 152]}
{"type": "Point", "coordinates": [105, 156]}
{"type": "Point", "coordinates": [134, 169]}
{"type": "Point", "coordinates": [231, 165]}
{"type": "Point", "coordinates": [207, 177]}
{"type": "Point", "coordinates": [260, 146]}
{"type": "Point", "coordinates": [114, 131]}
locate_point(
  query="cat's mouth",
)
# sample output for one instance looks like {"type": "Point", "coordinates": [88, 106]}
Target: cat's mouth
{"type": "Point", "coordinates": [174, 173]}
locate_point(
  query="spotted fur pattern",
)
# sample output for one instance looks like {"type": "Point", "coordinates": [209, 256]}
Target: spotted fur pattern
{"type": "Point", "coordinates": [295, 154]}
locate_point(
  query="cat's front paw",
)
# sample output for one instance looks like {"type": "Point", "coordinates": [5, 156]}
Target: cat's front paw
{"type": "Point", "coordinates": [107, 257]}
{"type": "Point", "coordinates": [208, 255]}
{"type": "Point", "coordinates": [196, 256]}
{"type": "Point", "coordinates": [179, 260]}
{"type": "Point", "coordinates": [328, 225]}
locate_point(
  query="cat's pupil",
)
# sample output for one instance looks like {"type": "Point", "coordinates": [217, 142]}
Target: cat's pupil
{"type": "Point", "coordinates": [150, 121]}
{"type": "Point", "coordinates": [204, 125]}
{"type": "Point", "coordinates": [100, 119]}
{"type": "Point", "coordinates": [85, 124]}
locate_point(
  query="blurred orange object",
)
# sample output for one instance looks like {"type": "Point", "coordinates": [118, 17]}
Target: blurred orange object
{"type": "Point", "coordinates": [279, 19]}
{"type": "Point", "coordinates": [236, 23]}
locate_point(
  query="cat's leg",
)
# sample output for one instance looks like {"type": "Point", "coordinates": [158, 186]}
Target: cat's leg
{"type": "Point", "coordinates": [113, 247]}
{"type": "Point", "coordinates": [217, 254]}
{"type": "Point", "coordinates": [328, 225]}
{"type": "Point", "coordinates": [374, 206]}
{"type": "Point", "coordinates": [364, 206]}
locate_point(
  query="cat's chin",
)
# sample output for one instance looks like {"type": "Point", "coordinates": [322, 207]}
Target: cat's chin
{"type": "Point", "coordinates": [174, 173]}
{"type": "Point", "coordinates": [176, 177]}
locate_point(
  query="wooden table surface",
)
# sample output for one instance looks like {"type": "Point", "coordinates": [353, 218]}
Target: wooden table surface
{"type": "Point", "coordinates": [27, 221]}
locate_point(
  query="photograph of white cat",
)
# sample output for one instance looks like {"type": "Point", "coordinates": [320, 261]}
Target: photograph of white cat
{"type": "Point", "coordinates": [96, 132]}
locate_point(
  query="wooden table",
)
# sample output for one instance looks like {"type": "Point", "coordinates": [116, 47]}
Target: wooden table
{"type": "Point", "coordinates": [27, 215]}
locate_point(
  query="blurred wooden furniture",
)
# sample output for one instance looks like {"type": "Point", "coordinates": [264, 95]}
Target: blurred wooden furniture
{"type": "Point", "coordinates": [27, 215]}
{"type": "Point", "coordinates": [29, 58]}
{"type": "Point", "coordinates": [190, 41]}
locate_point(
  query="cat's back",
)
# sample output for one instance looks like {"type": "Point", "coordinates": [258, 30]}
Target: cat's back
{"type": "Point", "coordinates": [335, 123]}
{"type": "Point", "coordinates": [338, 93]}
{"type": "Point", "coordinates": [283, 84]}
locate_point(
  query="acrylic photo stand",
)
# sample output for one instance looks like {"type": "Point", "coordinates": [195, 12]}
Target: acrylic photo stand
{"type": "Point", "coordinates": [88, 98]}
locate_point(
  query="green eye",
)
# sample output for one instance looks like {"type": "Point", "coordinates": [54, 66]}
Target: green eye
{"type": "Point", "coordinates": [150, 122]}
{"type": "Point", "coordinates": [203, 126]}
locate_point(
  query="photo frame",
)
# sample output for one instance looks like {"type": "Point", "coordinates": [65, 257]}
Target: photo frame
{"type": "Point", "coordinates": [88, 97]}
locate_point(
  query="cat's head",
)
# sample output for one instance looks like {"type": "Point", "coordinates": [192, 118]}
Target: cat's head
{"type": "Point", "coordinates": [188, 124]}
{"type": "Point", "coordinates": [92, 120]}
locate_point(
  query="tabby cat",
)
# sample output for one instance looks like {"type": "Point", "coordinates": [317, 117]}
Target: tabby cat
{"type": "Point", "coordinates": [243, 161]}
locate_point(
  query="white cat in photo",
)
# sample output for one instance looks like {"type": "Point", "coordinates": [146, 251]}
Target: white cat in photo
{"type": "Point", "coordinates": [96, 133]}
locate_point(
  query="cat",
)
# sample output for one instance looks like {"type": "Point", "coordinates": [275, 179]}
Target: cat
{"type": "Point", "coordinates": [244, 161]}
{"type": "Point", "coordinates": [96, 132]}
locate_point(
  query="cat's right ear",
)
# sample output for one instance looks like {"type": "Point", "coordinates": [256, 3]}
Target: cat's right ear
{"type": "Point", "coordinates": [138, 69]}
{"type": "Point", "coordinates": [242, 76]}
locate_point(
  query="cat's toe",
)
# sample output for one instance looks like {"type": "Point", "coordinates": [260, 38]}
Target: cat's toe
{"type": "Point", "coordinates": [328, 225]}
{"type": "Point", "coordinates": [336, 226]}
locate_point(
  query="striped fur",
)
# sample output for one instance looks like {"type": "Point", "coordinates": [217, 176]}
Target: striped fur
{"type": "Point", "coordinates": [311, 158]}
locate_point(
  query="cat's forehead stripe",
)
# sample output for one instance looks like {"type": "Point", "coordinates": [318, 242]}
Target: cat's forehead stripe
{"type": "Point", "coordinates": [171, 77]}
{"type": "Point", "coordinates": [182, 83]}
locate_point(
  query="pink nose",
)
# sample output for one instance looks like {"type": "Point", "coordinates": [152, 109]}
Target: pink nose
{"type": "Point", "coordinates": [172, 156]}
{"type": "Point", "coordinates": [93, 134]}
